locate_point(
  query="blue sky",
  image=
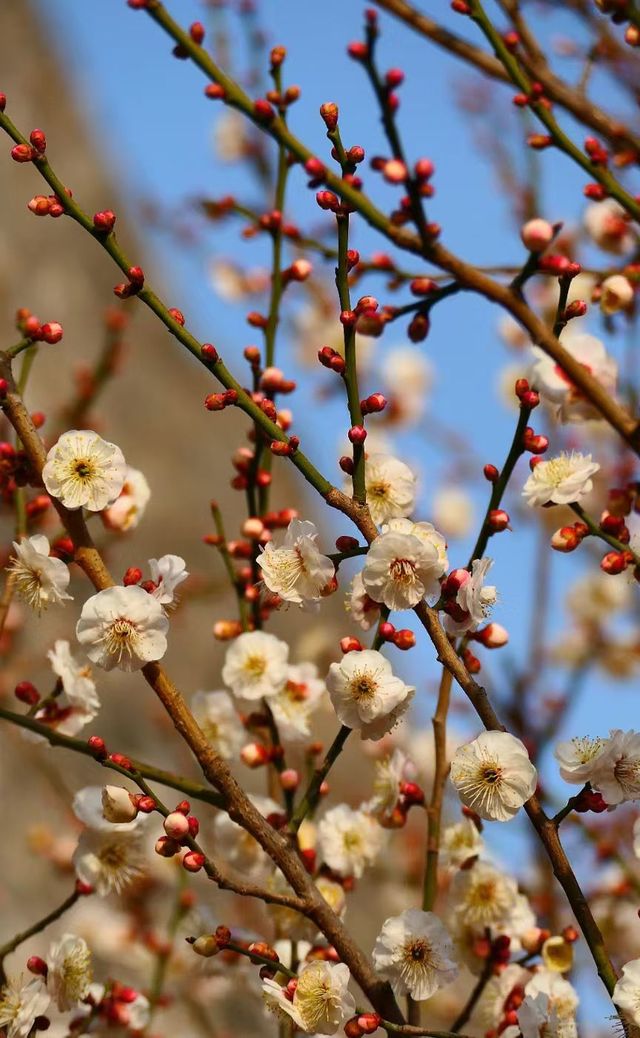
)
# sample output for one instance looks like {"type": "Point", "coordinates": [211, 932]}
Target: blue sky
{"type": "Point", "coordinates": [156, 134]}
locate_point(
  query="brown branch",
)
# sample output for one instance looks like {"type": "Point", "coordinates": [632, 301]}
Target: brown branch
{"type": "Point", "coordinates": [214, 768]}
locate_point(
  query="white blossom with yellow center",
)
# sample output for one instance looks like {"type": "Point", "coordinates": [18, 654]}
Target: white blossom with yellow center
{"type": "Point", "coordinates": [493, 775]}
{"type": "Point", "coordinates": [123, 627]}
{"type": "Point", "coordinates": [69, 973]}
{"type": "Point", "coordinates": [626, 993]}
{"type": "Point", "coordinates": [294, 707]}
{"type": "Point", "coordinates": [390, 486]}
{"type": "Point", "coordinates": [460, 842]}
{"type": "Point", "coordinates": [20, 1004]}
{"type": "Point", "coordinates": [616, 773]}
{"type": "Point", "coordinates": [578, 758]}
{"type": "Point", "coordinates": [219, 722]}
{"type": "Point", "coordinates": [110, 860]}
{"type": "Point", "coordinates": [297, 571]}
{"type": "Point", "coordinates": [560, 481]}
{"type": "Point", "coordinates": [255, 665]}
{"type": "Point", "coordinates": [349, 840]}
{"type": "Point", "coordinates": [322, 1002]}
{"type": "Point", "coordinates": [483, 897]}
{"type": "Point", "coordinates": [401, 569]}
{"type": "Point", "coordinates": [415, 953]}
{"type": "Point", "coordinates": [40, 579]}
{"type": "Point", "coordinates": [84, 471]}
{"type": "Point", "coordinates": [363, 688]}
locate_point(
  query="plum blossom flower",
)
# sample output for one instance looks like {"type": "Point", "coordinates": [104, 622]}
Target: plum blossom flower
{"type": "Point", "coordinates": [348, 840]}
{"type": "Point", "coordinates": [88, 807]}
{"type": "Point", "coordinates": [560, 481]}
{"type": "Point", "coordinates": [626, 993]}
{"type": "Point", "coordinates": [473, 601]}
{"type": "Point", "coordinates": [167, 573]}
{"type": "Point", "coordinates": [108, 861]}
{"type": "Point", "coordinates": [69, 973]}
{"type": "Point", "coordinates": [617, 294]}
{"type": "Point", "coordinates": [218, 720]}
{"type": "Point", "coordinates": [321, 1003]}
{"type": "Point", "coordinates": [461, 842]}
{"type": "Point", "coordinates": [607, 225]}
{"type": "Point", "coordinates": [297, 571]}
{"type": "Point", "coordinates": [425, 532]}
{"type": "Point", "coordinates": [578, 757]}
{"type": "Point", "coordinates": [123, 627]}
{"type": "Point", "coordinates": [493, 775]}
{"type": "Point", "coordinates": [401, 569]}
{"type": "Point", "coordinates": [294, 706]}
{"type": "Point", "coordinates": [363, 688]}
{"type": "Point", "coordinates": [20, 1004]}
{"type": "Point", "coordinates": [415, 953]}
{"type": "Point", "coordinates": [551, 1001]}
{"type": "Point", "coordinates": [617, 768]}
{"type": "Point", "coordinates": [83, 470]}
{"type": "Point", "coordinates": [129, 507]}
{"type": "Point", "coordinates": [491, 1006]}
{"type": "Point", "coordinates": [40, 579]}
{"type": "Point", "coordinates": [390, 773]}
{"type": "Point", "coordinates": [77, 682]}
{"type": "Point", "coordinates": [483, 898]}
{"type": "Point", "coordinates": [555, 386]}
{"type": "Point", "coordinates": [391, 488]}
{"type": "Point", "coordinates": [363, 609]}
{"type": "Point", "coordinates": [240, 849]}
{"type": "Point", "coordinates": [256, 665]}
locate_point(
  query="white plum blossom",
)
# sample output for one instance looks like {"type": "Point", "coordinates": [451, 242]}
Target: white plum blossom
{"type": "Point", "coordinates": [460, 842]}
{"type": "Point", "coordinates": [20, 1003]}
{"type": "Point", "coordinates": [390, 773]}
{"type": "Point", "coordinates": [474, 600]}
{"type": "Point", "coordinates": [415, 953]}
{"type": "Point", "coordinates": [238, 846]}
{"type": "Point", "coordinates": [167, 573]}
{"type": "Point", "coordinates": [554, 385]}
{"type": "Point", "coordinates": [108, 861]}
{"type": "Point", "coordinates": [322, 1002]}
{"type": "Point", "coordinates": [550, 1000]}
{"type": "Point", "coordinates": [123, 627]}
{"type": "Point", "coordinates": [256, 665]}
{"type": "Point", "coordinates": [453, 511]}
{"type": "Point", "coordinates": [363, 609]}
{"type": "Point", "coordinates": [607, 225]}
{"type": "Point", "coordinates": [363, 689]}
{"type": "Point", "coordinates": [118, 805]}
{"type": "Point", "coordinates": [626, 993]}
{"type": "Point", "coordinates": [218, 720]}
{"type": "Point", "coordinates": [391, 488]}
{"type": "Point", "coordinates": [560, 481]}
{"type": "Point", "coordinates": [617, 768]}
{"type": "Point", "coordinates": [83, 470]}
{"type": "Point", "coordinates": [348, 840]}
{"type": "Point", "coordinates": [425, 532]}
{"type": "Point", "coordinates": [401, 569]}
{"type": "Point", "coordinates": [484, 898]}
{"type": "Point", "coordinates": [294, 706]}
{"type": "Point", "coordinates": [40, 579]}
{"type": "Point", "coordinates": [616, 294]}
{"type": "Point", "coordinates": [69, 972]}
{"type": "Point", "coordinates": [297, 571]}
{"type": "Point", "coordinates": [578, 758]}
{"type": "Point", "coordinates": [77, 682]}
{"type": "Point", "coordinates": [496, 992]}
{"type": "Point", "coordinates": [408, 375]}
{"type": "Point", "coordinates": [594, 597]}
{"type": "Point", "coordinates": [493, 775]}
{"type": "Point", "coordinates": [128, 509]}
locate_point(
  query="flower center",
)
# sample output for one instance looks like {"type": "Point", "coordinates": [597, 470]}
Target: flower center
{"type": "Point", "coordinates": [362, 686]}
{"type": "Point", "coordinates": [121, 637]}
{"type": "Point", "coordinates": [378, 490]}
{"type": "Point", "coordinates": [627, 772]}
{"type": "Point", "coordinates": [403, 571]}
{"type": "Point", "coordinates": [255, 666]}
{"type": "Point", "coordinates": [83, 469]}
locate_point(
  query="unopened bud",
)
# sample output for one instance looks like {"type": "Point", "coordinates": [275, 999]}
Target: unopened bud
{"type": "Point", "coordinates": [536, 235]}
{"type": "Point", "coordinates": [176, 826]}
{"type": "Point", "coordinates": [193, 861]}
{"type": "Point", "coordinates": [118, 805]}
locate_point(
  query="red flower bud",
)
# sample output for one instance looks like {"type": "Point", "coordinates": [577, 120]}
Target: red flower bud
{"type": "Point", "coordinates": [498, 520]}
{"type": "Point", "coordinates": [104, 220]}
{"type": "Point", "coordinates": [27, 693]}
{"type": "Point", "coordinates": [22, 153]}
{"type": "Point", "coordinates": [132, 576]}
{"type": "Point", "coordinates": [350, 644]}
{"type": "Point", "coordinates": [51, 332]}
{"type": "Point", "coordinates": [97, 746]}
{"type": "Point", "coordinates": [357, 434]}
{"type": "Point", "coordinates": [491, 473]}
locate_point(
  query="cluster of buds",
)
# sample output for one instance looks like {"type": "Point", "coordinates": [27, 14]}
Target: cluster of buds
{"type": "Point", "coordinates": [527, 396]}
{"type": "Point", "coordinates": [365, 1023]}
{"type": "Point", "coordinates": [30, 327]}
{"type": "Point", "coordinates": [15, 469]}
{"type": "Point", "coordinates": [211, 943]}
{"type": "Point", "coordinates": [218, 401]}
{"type": "Point", "coordinates": [47, 205]}
{"type": "Point", "coordinates": [535, 96]}
{"type": "Point", "coordinates": [596, 151]}
{"type": "Point", "coordinates": [568, 538]}
{"type": "Point", "coordinates": [330, 358]}
{"type": "Point", "coordinates": [34, 150]}
{"type": "Point", "coordinates": [402, 639]}
{"type": "Point", "coordinates": [114, 1006]}
{"type": "Point", "coordinates": [120, 806]}
{"type": "Point", "coordinates": [257, 755]}
{"type": "Point", "coordinates": [589, 800]}
{"type": "Point", "coordinates": [125, 290]}
{"type": "Point", "coordinates": [180, 829]}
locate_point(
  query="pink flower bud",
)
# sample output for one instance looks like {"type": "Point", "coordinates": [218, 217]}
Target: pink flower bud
{"type": "Point", "coordinates": [254, 755]}
{"type": "Point", "coordinates": [166, 847]}
{"type": "Point", "coordinates": [536, 235]}
{"type": "Point", "coordinates": [51, 332]}
{"type": "Point", "coordinates": [357, 434]}
{"type": "Point", "coordinates": [37, 966]}
{"type": "Point", "coordinates": [616, 294]}
{"type": "Point", "coordinates": [329, 112]}
{"type": "Point", "coordinates": [350, 644]}
{"type": "Point", "coordinates": [498, 520]}
{"type": "Point", "coordinates": [22, 153]}
{"type": "Point", "coordinates": [614, 562]}
{"type": "Point", "coordinates": [493, 636]}
{"type": "Point", "coordinates": [40, 205]}
{"type": "Point", "coordinates": [176, 826]}
{"type": "Point", "coordinates": [404, 639]}
{"type": "Point", "coordinates": [27, 693]}
{"type": "Point", "coordinates": [104, 220]}
{"type": "Point", "coordinates": [193, 861]}
{"type": "Point", "coordinates": [394, 171]}
{"type": "Point", "coordinates": [289, 779]}
{"type": "Point", "coordinates": [97, 746]}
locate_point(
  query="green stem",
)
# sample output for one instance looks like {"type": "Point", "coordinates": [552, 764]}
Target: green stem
{"type": "Point", "coordinates": [229, 567]}
{"type": "Point", "coordinates": [192, 789]}
{"type": "Point", "coordinates": [596, 531]}
{"type": "Point", "coordinates": [309, 801]}
{"type": "Point", "coordinates": [350, 356]}
{"type": "Point", "coordinates": [164, 955]}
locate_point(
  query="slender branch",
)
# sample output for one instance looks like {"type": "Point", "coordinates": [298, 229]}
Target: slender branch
{"type": "Point", "coordinates": [38, 926]}
{"type": "Point", "coordinates": [608, 538]}
{"type": "Point", "coordinates": [309, 800]}
{"type": "Point", "coordinates": [434, 810]}
{"type": "Point", "coordinates": [467, 1010]}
